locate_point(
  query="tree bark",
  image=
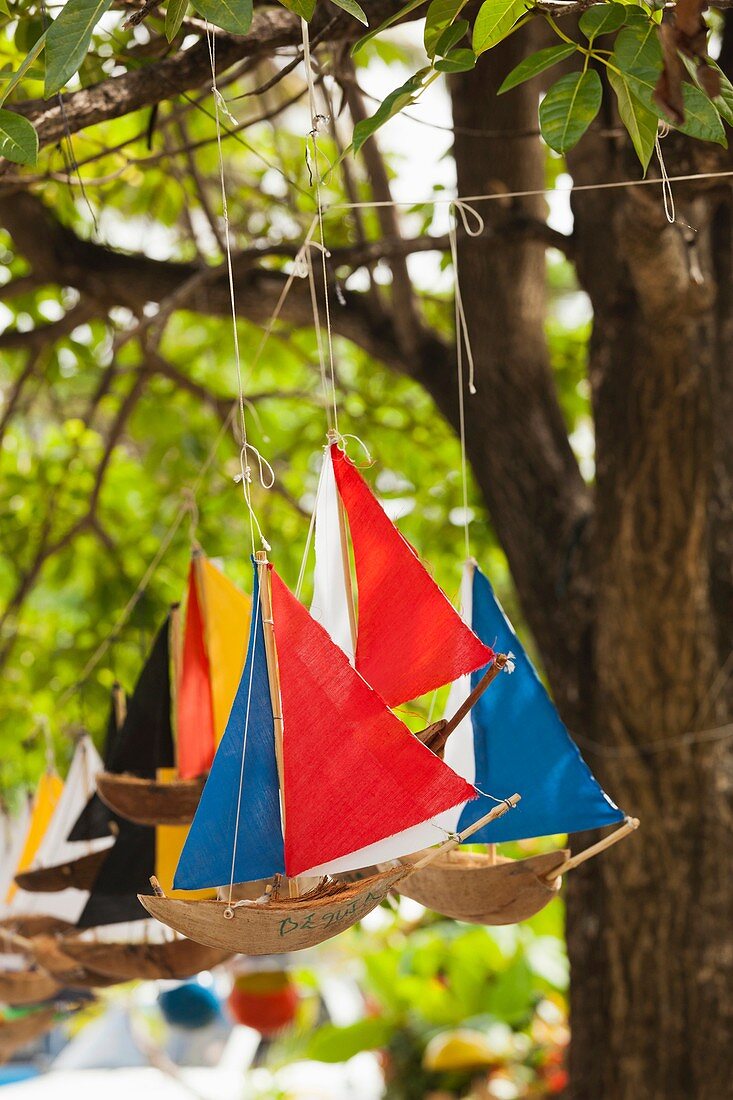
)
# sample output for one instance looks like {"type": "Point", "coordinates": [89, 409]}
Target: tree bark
{"type": "Point", "coordinates": [631, 611]}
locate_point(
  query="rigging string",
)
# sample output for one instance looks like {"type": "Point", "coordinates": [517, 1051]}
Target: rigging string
{"type": "Point", "coordinates": [463, 210]}
{"type": "Point", "coordinates": [667, 196]}
{"type": "Point", "coordinates": [316, 121]}
{"type": "Point", "coordinates": [220, 107]}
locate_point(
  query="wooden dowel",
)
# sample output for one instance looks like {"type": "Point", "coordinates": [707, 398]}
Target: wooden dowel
{"type": "Point", "coordinates": [629, 826]}
{"type": "Point", "coordinates": [174, 642]}
{"type": "Point", "coordinates": [453, 842]}
{"type": "Point", "coordinates": [119, 704]}
{"type": "Point", "coordinates": [486, 680]}
{"type": "Point", "coordinates": [436, 735]}
{"type": "Point", "coordinates": [491, 853]}
{"type": "Point", "coordinates": [273, 677]}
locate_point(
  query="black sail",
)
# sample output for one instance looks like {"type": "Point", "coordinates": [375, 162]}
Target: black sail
{"type": "Point", "coordinates": [125, 873]}
{"type": "Point", "coordinates": [94, 820]}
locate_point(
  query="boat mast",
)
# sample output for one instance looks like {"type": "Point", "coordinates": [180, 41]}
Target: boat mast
{"type": "Point", "coordinates": [273, 676]}
{"type": "Point", "coordinates": [119, 705]}
{"type": "Point", "coordinates": [175, 642]}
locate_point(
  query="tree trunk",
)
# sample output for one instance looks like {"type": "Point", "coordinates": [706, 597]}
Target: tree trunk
{"type": "Point", "coordinates": [631, 613]}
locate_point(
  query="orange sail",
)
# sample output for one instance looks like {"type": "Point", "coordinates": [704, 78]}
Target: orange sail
{"type": "Point", "coordinates": [353, 774]}
{"type": "Point", "coordinates": [410, 639]}
{"type": "Point", "coordinates": [195, 714]}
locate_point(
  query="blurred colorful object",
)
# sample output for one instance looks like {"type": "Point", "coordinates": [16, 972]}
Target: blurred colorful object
{"type": "Point", "coordinates": [463, 1048]}
{"type": "Point", "coordinates": [189, 1006]}
{"type": "Point", "coordinates": [266, 1001]}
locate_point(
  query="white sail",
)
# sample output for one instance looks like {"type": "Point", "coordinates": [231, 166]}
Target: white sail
{"type": "Point", "coordinates": [80, 785]}
{"type": "Point", "coordinates": [331, 595]}
{"type": "Point", "coordinates": [14, 832]}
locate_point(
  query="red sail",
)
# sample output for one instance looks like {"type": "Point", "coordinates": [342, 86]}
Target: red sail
{"type": "Point", "coordinates": [194, 711]}
{"type": "Point", "coordinates": [410, 639]}
{"type": "Point", "coordinates": [353, 773]}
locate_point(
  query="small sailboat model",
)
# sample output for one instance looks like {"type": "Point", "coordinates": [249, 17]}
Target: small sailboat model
{"type": "Point", "coordinates": [314, 774]}
{"type": "Point", "coordinates": [60, 863]}
{"type": "Point", "coordinates": [211, 661]}
{"type": "Point", "coordinates": [513, 735]}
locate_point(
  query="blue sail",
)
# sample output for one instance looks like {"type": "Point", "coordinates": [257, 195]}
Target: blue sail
{"type": "Point", "coordinates": [521, 745]}
{"type": "Point", "coordinates": [206, 859]}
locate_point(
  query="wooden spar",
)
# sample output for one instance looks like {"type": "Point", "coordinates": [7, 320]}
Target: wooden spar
{"type": "Point", "coordinates": [629, 826]}
{"type": "Point", "coordinates": [273, 677]}
{"type": "Point", "coordinates": [119, 704]}
{"type": "Point", "coordinates": [436, 735]}
{"type": "Point", "coordinates": [174, 641]}
{"type": "Point", "coordinates": [491, 854]}
{"type": "Point", "coordinates": [454, 841]}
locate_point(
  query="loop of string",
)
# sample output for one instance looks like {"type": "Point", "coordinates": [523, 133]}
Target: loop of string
{"type": "Point", "coordinates": [461, 209]}
{"type": "Point", "coordinates": [220, 107]}
{"type": "Point", "coordinates": [667, 195]}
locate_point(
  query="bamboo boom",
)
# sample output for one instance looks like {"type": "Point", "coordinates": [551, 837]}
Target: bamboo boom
{"type": "Point", "coordinates": [436, 735]}
{"type": "Point", "coordinates": [629, 826]}
{"type": "Point", "coordinates": [453, 842]}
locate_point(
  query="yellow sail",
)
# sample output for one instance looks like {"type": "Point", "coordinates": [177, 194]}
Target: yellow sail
{"type": "Point", "coordinates": [169, 841]}
{"type": "Point", "coordinates": [226, 613]}
{"type": "Point", "coordinates": [44, 804]}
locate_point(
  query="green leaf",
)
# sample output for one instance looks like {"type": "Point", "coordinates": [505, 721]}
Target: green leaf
{"type": "Point", "coordinates": [451, 36]}
{"type": "Point", "coordinates": [352, 8]}
{"type": "Point", "coordinates": [68, 38]}
{"type": "Point", "coordinates": [439, 16]}
{"type": "Point", "coordinates": [639, 120]}
{"type": "Point", "coordinates": [392, 105]}
{"type": "Point", "coordinates": [234, 16]}
{"type": "Point", "coordinates": [602, 19]}
{"type": "Point", "coordinates": [18, 139]}
{"type": "Point", "coordinates": [457, 61]}
{"type": "Point", "coordinates": [637, 53]}
{"type": "Point", "coordinates": [338, 1044]}
{"type": "Point", "coordinates": [536, 63]}
{"type": "Point", "coordinates": [494, 21]}
{"type": "Point", "coordinates": [174, 12]}
{"type": "Point", "coordinates": [393, 18]}
{"type": "Point", "coordinates": [24, 67]}
{"type": "Point", "coordinates": [701, 116]}
{"type": "Point", "coordinates": [302, 8]}
{"type": "Point", "coordinates": [568, 109]}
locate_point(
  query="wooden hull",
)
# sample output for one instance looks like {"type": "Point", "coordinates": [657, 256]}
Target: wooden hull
{"type": "Point", "coordinates": [145, 961]}
{"type": "Point", "coordinates": [15, 1034]}
{"type": "Point", "coordinates": [48, 953]}
{"type": "Point", "coordinates": [468, 887]}
{"type": "Point", "coordinates": [26, 987]}
{"type": "Point", "coordinates": [276, 926]}
{"type": "Point", "coordinates": [77, 873]}
{"type": "Point", "coordinates": [31, 926]}
{"type": "Point", "coordinates": [148, 802]}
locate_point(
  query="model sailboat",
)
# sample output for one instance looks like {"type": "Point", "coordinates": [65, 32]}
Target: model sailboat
{"type": "Point", "coordinates": [60, 863]}
{"type": "Point", "coordinates": [514, 733]}
{"type": "Point", "coordinates": [210, 664]}
{"type": "Point", "coordinates": [313, 768]}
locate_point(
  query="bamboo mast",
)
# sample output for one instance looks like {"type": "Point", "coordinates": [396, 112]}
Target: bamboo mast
{"type": "Point", "coordinates": [273, 677]}
{"type": "Point", "coordinates": [175, 641]}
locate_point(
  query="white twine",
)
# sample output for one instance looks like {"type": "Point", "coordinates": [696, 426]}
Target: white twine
{"type": "Point", "coordinates": [317, 121]}
{"type": "Point", "coordinates": [667, 195]}
{"type": "Point", "coordinates": [220, 107]}
{"type": "Point", "coordinates": [461, 209]}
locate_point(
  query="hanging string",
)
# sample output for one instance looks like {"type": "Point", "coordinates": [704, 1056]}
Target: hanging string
{"type": "Point", "coordinates": [317, 121]}
{"type": "Point", "coordinates": [220, 107]}
{"type": "Point", "coordinates": [461, 209]}
{"type": "Point", "coordinates": [667, 196]}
